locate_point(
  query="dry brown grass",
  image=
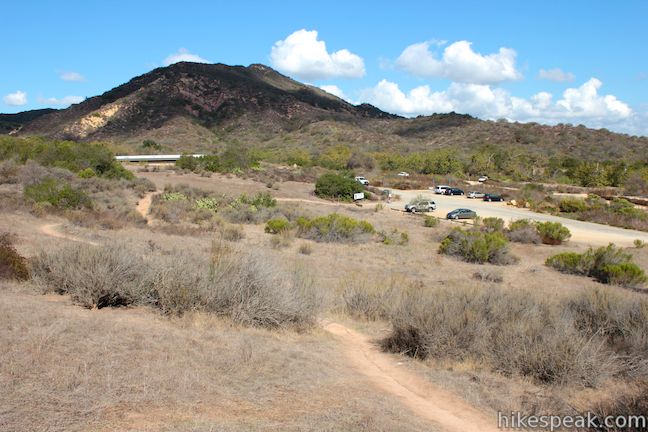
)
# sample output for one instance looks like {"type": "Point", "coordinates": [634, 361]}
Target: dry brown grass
{"type": "Point", "coordinates": [331, 265]}
{"type": "Point", "coordinates": [64, 368]}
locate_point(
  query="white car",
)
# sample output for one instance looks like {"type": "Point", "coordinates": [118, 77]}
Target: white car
{"type": "Point", "coordinates": [403, 174]}
{"type": "Point", "coordinates": [440, 189]}
{"type": "Point", "coordinates": [482, 179]}
{"type": "Point", "coordinates": [362, 180]}
{"type": "Point", "coordinates": [475, 194]}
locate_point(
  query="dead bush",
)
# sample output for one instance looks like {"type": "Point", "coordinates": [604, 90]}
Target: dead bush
{"type": "Point", "coordinates": [513, 332]}
{"type": "Point", "coordinates": [488, 275]}
{"type": "Point", "coordinates": [94, 276]}
{"type": "Point", "coordinates": [12, 264]}
{"type": "Point", "coordinates": [523, 231]}
{"type": "Point", "coordinates": [233, 233]}
{"type": "Point", "coordinates": [249, 288]}
{"type": "Point", "coordinates": [305, 249]}
{"type": "Point", "coordinates": [281, 240]}
{"type": "Point", "coordinates": [9, 171]}
{"type": "Point", "coordinates": [368, 301]}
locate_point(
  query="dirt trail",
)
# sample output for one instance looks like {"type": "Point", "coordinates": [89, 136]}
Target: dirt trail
{"type": "Point", "coordinates": [51, 230]}
{"type": "Point", "coordinates": [144, 205]}
{"type": "Point", "coordinates": [431, 403]}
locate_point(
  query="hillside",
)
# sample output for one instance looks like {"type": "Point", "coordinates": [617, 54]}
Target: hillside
{"type": "Point", "coordinates": [212, 97]}
{"type": "Point", "coordinates": [191, 106]}
{"type": "Point", "coordinates": [11, 123]}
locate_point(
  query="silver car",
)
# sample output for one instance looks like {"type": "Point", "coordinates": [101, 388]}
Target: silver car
{"type": "Point", "coordinates": [475, 194]}
{"type": "Point", "coordinates": [420, 206]}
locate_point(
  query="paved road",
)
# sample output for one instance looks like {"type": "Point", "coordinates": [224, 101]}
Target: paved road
{"type": "Point", "coordinates": [586, 232]}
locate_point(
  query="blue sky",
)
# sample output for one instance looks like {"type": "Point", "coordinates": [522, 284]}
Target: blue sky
{"type": "Point", "coordinates": [482, 58]}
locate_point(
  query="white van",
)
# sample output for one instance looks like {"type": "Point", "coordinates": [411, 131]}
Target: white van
{"type": "Point", "coordinates": [440, 189]}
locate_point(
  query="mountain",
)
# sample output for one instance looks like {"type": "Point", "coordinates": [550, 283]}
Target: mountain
{"type": "Point", "coordinates": [204, 107]}
{"type": "Point", "coordinates": [12, 123]}
{"type": "Point", "coordinates": [209, 96]}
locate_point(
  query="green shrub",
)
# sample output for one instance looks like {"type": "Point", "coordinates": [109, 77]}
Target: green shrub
{"type": "Point", "coordinates": [12, 264]}
{"type": "Point", "coordinates": [336, 186]}
{"type": "Point", "coordinates": [477, 247]}
{"type": "Point", "coordinates": [151, 144]}
{"type": "Point", "coordinates": [568, 262]}
{"type": "Point", "coordinates": [187, 162]}
{"type": "Point", "coordinates": [207, 203]}
{"type": "Point", "coordinates": [87, 173]}
{"type": "Point", "coordinates": [210, 163]}
{"type": "Point", "coordinates": [492, 224]}
{"type": "Point", "coordinates": [519, 224]}
{"type": "Point", "coordinates": [553, 233]}
{"type": "Point", "coordinates": [430, 221]}
{"type": "Point", "coordinates": [624, 274]}
{"type": "Point", "coordinates": [276, 226]}
{"type": "Point", "coordinates": [572, 205]}
{"type": "Point", "coordinates": [259, 200]}
{"type": "Point", "coordinates": [610, 265]}
{"type": "Point", "coordinates": [72, 156]}
{"type": "Point", "coordinates": [334, 228]}
{"type": "Point", "coordinates": [59, 194]}
{"type": "Point", "coordinates": [174, 196]}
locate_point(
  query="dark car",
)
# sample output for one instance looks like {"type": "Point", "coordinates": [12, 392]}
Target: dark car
{"type": "Point", "coordinates": [493, 197]}
{"type": "Point", "coordinates": [461, 213]}
{"type": "Point", "coordinates": [453, 191]}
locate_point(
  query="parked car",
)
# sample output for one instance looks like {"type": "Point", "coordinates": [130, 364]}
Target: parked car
{"type": "Point", "coordinates": [403, 174]}
{"type": "Point", "coordinates": [475, 194]}
{"type": "Point", "coordinates": [440, 189]}
{"type": "Point", "coordinates": [493, 197]}
{"type": "Point", "coordinates": [461, 213]}
{"type": "Point", "coordinates": [362, 180]}
{"type": "Point", "coordinates": [482, 179]}
{"type": "Point", "coordinates": [453, 191]}
{"type": "Point", "coordinates": [420, 206]}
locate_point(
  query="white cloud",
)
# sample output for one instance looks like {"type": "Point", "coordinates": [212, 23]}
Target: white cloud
{"type": "Point", "coordinates": [334, 90]}
{"type": "Point", "coordinates": [18, 98]}
{"type": "Point", "coordinates": [72, 76]}
{"type": "Point", "coordinates": [305, 57]}
{"type": "Point", "coordinates": [582, 104]}
{"type": "Point", "coordinates": [65, 101]}
{"type": "Point", "coordinates": [459, 63]}
{"type": "Point", "coordinates": [556, 74]}
{"type": "Point", "coordinates": [183, 55]}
